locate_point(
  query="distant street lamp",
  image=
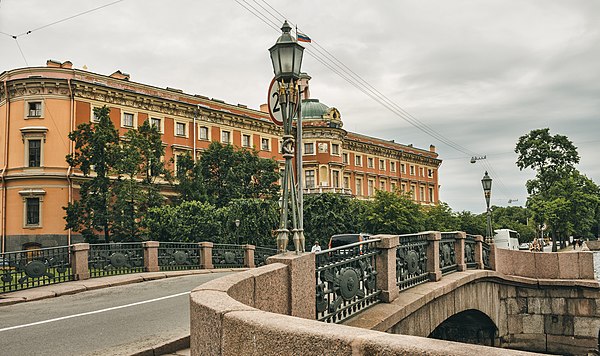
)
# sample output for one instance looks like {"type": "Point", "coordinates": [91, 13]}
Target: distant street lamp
{"type": "Point", "coordinates": [486, 182]}
{"type": "Point", "coordinates": [237, 233]}
{"type": "Point", "coordinates": [286, 57]}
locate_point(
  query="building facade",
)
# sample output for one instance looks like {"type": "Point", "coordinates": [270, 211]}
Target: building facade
{"type": "Point", "coordinates": [39, 106]}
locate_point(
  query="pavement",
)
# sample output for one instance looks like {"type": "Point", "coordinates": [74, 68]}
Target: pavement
{"type": "Point", "coordinates": [179, 346]}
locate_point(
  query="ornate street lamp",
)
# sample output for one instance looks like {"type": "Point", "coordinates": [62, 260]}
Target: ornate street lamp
{"type": "Point", "coordinates": [486, 182]}
{"type": "Point", "coordinates": [237, 232]}
{"type": "Point", "coordinates": [286, 57]}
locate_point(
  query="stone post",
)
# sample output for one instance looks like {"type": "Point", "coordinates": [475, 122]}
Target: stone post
{"type": "Point", "coordinates": [433, 255]}
{"type": "Point", "coordinates": [479, 252]}
{"type": "Point", "coordinates": [249, 256]}
{"type": "Point", "coordinates": [386, 267]}
{"type": "Point", "coordinates": [301, 281]}
{"type": "Point", "coordinates": [492, 256]}
{"type": "Point", "coordinates": [206, 255]}
{"type": "Point", "coordinates": [151, 256]}
{"type": "Point", "coordinates": [79, 261]}
{"type": "Point", "coordinates": [459, 250]}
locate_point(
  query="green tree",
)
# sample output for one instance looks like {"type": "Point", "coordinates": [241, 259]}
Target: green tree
{"type": "Point", "coordinates": [440, 218]}
{"type": "Point", "coordinates": [190, 221]}
{"type": "Point", "coordinates": [391, 213]}
{"type": "Point", "coordinates": [190, 184]}
{"type": "Point", "coordinates": [471, 223]}
{"type": "Point", "coordinates": [96, 151]}
{"type": "Point", "coordinates": [257, 218]}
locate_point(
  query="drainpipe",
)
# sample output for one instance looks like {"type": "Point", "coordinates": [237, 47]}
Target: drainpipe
{"type": "Point", "coordinates": [69, 170]}
{"type": "Point", "coordinates": [2, 177]}
{"type": "Point", "coordinates": [195, 115]}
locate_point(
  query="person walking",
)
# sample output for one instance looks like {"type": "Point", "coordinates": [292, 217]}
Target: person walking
{"type": "Point", "coordinates": [316, 247]}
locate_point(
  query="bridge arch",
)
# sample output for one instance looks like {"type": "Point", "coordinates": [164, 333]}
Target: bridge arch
{"type": "Point", "coordinates": [469, 326]}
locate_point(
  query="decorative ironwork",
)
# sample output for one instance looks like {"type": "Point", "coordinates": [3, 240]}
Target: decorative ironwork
{"type": "Point", "coordinates": [115, 258]}
{"type": "Point", "coordinates": [178, 256]}
{"type": "Point", "coordinates": [34, 268]}
{"type": "Point", "coordinates": [448, 252]}
{"type": "Point", "coordinates": [470, 247]}
{"type": "Point", "coordinates": [346, 279]}
{"type": "Point", "coordinates": [411, 261]}
{"type": "Point", "coordinates": [485, 254]}
{"type": "Point", "coordinates": [261, 254]}
{"type": "Point", "coordinates": [227, 256]}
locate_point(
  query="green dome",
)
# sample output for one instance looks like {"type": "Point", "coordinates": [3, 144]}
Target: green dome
{"type": "Point", "coordinates": [313, 109]}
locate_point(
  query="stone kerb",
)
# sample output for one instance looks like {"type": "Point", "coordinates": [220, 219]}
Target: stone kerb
{"type": "Point", "coordinates": [151, 256]}
{"type": "Point", "coordinates": [79, 261]}
{"type": "Point", "coordinates": [302, 285]}
{"type": "Point", "coordinates": [433, 255]}
{"type": "Point", "coordinates": [386, 266]}
{"type": "Point", "coordinates": [541, 265]}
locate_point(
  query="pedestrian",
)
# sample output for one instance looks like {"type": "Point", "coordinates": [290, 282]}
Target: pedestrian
{"type": "Point", "coordinates": [316, 247]}
{"type": "Point", "coordinates": [580, 243]}
{"type": "Point", "coordinates": [574, 244]}
{"type": "Point", "coordinates": [535, 245]}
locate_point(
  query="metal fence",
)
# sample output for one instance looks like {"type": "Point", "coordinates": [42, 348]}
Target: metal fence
{"type": "Point", "coordinates": [34, 268]}
{"type": "Point", "coordinates": [470, 247]}
{"type": "Point", "coordinates": [115, 258]}
{"type": "Point", "coordinates": [179, 256]}
{"type": "Point", "coordinates": [227, 256]}
{"type": "Point", "coordinates": [411, 261]}
{"type": "Point", "coordinates": [261, 254]}
{"type": "Point", "coordinates": [447, 258]}
{"type": "Point", "coordinates": [346, 280]}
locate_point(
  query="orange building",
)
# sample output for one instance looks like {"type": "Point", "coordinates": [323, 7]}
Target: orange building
{"type": "Point", "coordinates": [39, 106]}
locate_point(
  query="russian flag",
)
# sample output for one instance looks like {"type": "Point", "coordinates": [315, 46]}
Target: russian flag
{"type": "Point", "coordinates": [302, 37]}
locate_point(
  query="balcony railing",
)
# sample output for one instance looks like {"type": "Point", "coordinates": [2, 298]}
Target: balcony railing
{"type": "Point", "coordinates": [336, 190]}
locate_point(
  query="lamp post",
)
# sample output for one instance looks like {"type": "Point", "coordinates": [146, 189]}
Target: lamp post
{"type": "Point", "coordinates": [237, 233]}
{"type": "Point", "coordinates": [286, 57]}
{"type": "Point", "coordinates": [486, 182]}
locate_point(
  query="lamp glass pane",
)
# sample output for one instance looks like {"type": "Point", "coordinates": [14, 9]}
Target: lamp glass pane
{"type": "Point", "coordinates": [275, 61]}
{"type": "Point", "coordinates": [297, 59]}
{"type": "Point", "coordinates": [285, 57]}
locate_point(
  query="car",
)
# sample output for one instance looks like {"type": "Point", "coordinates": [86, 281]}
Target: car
{"type": "Point", "coordinates": [346, 239]}
{"type": "Point", "coordinates": [524, 246]}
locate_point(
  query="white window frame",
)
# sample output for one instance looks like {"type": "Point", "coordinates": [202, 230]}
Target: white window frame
{"type": "Point", "coordinates": [33, 133]}
{"type": "Point", "coordinates": [392, 166]}
{"type": "Point", "coordinates": [370, 162]}
{"type": "Point", "coordinates": [310, 173]}
{"type": "Point", "coordinates": [345, 158]}
{"type": "Point", "coordinates": [264, 140]}
{"type": "Point", "coordinates": [161, 123]}
{"type": "Point", "coordinates": [133, 120]}
{"type": "Point", "coordinates": [370, 187]}
{"type": "Point", "coordinates": [310, 151]}
{"type": "Point", "coordinates": [203, 137]}
{"type": "Point", "coordinates": [33, 194]}
{"type": "Point", "coordinates": [412, 170]}
{"type": "Point", "coordinates": [358, 160]}
{"type": "Point", "coordinates": [358, 186]}
{"type": "Point", "coordinates": [430, 173]}
{"type": "Point", "coordinates": [185, 129]}
{"type": "Point", "coordinates": [249, 136]}
{"type": "Point", "coordinates": [403, 168]}
{"type": "Point", "coordinates": [382, 164]}
{"type": "Point", "coordinates": [41, 110]}
{"type": "Point", "coordinates": [431, 195]}
{"type": "Point", "coordinates": [93, 117]}
{"type": "Point", "coordinates": [228, 134]}
{"type": "Point", "coordinates": [335, 149]}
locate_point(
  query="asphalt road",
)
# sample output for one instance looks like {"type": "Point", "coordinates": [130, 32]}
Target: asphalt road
{"type": "Point", "coordinates": [112, 321]}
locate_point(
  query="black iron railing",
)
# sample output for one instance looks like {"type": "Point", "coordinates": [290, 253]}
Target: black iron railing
{"type": "Point", "coordinates": [179, 256]}
{"type": "Point", "coordinates": [34, 268]}
{"type": "Point", "coordinates": [448, 252]}
{"type": "Point", "coordinates": [261, 254]}
{"type": "Point", "coordinates": [470, 247]}
{"type": "Point", "coordinates": [115, 258]}
{"type": "Point", "coordinates": [227, 256]}
{"type": "Point", "coordinates": [411, 260]}
{"type": "Point", "coordinates": [346, 279]}
{"type": "Point", "coordinates": [485, 255]}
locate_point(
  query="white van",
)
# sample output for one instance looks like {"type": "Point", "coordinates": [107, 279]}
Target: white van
{"type": "Point", "coordinates": [506, 238]}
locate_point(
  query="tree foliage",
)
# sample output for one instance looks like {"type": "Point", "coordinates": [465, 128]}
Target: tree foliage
{"type": "Point", "coordinates": [392, 213]}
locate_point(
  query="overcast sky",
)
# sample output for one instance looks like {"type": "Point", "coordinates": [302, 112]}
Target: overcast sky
{"type": "Point", "coordinates": [481, 73]}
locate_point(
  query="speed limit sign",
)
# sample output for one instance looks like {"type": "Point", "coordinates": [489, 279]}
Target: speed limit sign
{"type": "Point", "coordinates": [274, 103]}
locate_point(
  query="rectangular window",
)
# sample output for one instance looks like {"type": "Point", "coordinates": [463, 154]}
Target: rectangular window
{"type": "Point", "coordinates": [226, 137]}
{"type": "Point", "coordinates": [156, 122]}
{"type": "Point", "coordinates": [246, 140]}
{"type": "Point", "coordinates": [34, 153]}
{"type": "Point", "coordinates": [127, 119]}
{"type": "Point", "coordinates": [421, 193]}
{"type": "Point", "coordinates": [345, 158]}
{"type": "Point", "coordinates": [358, 186]}
{"type": "Point", "coordinates": [358, 160]}
{"type": "Point", "coordinates": [430, 173]}
{"type": "Point", "coordinates": [431, 195]}
{"type": "Point", "coordinates": [347, 182]}
{"type": "Point", "coordinates": [95, 117]}
{"type": "Point", "coordinates": [421, 172]}
{"type": "Point", "coordinates": [335, 149]}
{"type": "Point", "coordinates": [309, 148]}
{"type": "Point", "coordinates": [413, 192]}
{"type": "Point", "coordinates": [370, 187]}
{"type": "Point", "coordinates": [203, 133]}
{"type": "Point", "coordinates": [32, 211]}
{"type": "Point", "coordinates": [393, 166]}
{"type": "Point", "coordinates": [264, 144]}
{"type": "Point", "coordinates": [382, 165]}
{"type": "Point", "coordinates": [403, 168]}
{"type": "Point", "coordinates": [309, 179]}
{"type": "Point", "coordinates": [393, 186]}
{"type": "Point", "coordinates": [34, 109]}
{"type": "Point", "coordinates": [335, 177]}
{"type": "Point", "coordinates": [412, 170]}
{"type": "Point", "coordinates": [382, 185]}
{"type": "Point", "coordinates": [370, 162]}
{"type": "Point", "coordinates": [180, 129]}
{"type": "Point", "coordinates": [403, 187]}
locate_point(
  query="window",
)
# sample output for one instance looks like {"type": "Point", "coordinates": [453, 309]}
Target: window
{"type": "Point", "coordinates": [347, 182]}
{"type": "Point", "coordinates": [309, 148]}
{"type": "Point", "coordinates": [226, 137]}
{"type": "Point", "coordinates": [32, 211]}
{"type": "Point", "coordinates": [382, 185]}
{"type": "Point", "coordinates": [413, 192]}
{"type": "Point", "coordinates": [180, 129]}
{"type": "Point", "coordinates": [94, 117]}
{"type": "Point", "coordinates": [431, 195]}
{"type": "Point", "coordinates": [127, 120]}
{"type": "Point", "coordinates": [430, 173]}
{"type": "Point", "coordinates": [156, 122]}
{"type": "Point", "coordinates": [345, 158]}
{"type": "Point", "coordinates": [421, 172]}
{"type": "Point", "coordinates": [412, 170]}
{"type": "Point", "coordinates": [34, 153]}
{"type": "Point", "coordinates": [370, 187]}
{"type": "Point", "coordinates": [358, 186]}
{"type": "Point", "coordinates": [421, 193]}
{"type": "Point", "coordinates": [309, 179]}
{"type": "Point", "coordinates": [382, 165]}
{"type": "Point", "coordinates": [265, 144]}
{"type": "Point", "coordinates": [358, 160]}
{"type": "Point", "coordinates": [403, 168]}
{"type": "Point", "coordinates": [403, 187]}
{"type": "Point", "coordinates": [393, 166]}
{"type": "Point", "coordinates": [370, 162]}
{"type": "Point", "coordinates": [203, 133]}
{"type": "Point", "coordinates": [246, 140]}
{"type": "Point", "coordinates": [335, 149]}
{"type": "Point", "coordinates": [34, 109]}
{"type": "Point", "coordinates": [335, 177]}
{"type": "Point", "coordinates": [393, 186]}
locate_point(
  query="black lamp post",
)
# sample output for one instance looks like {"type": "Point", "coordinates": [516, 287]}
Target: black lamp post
{"type": "Point", "coordinates": [486, 182]}
{"type": "Point", "coordinates": [286, 57]}
{"type": "Point", "coordinates": [237, 233]}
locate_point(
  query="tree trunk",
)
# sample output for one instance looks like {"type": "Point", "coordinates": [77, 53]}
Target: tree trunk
{"type": "Point", "coordinates": [554, 242]}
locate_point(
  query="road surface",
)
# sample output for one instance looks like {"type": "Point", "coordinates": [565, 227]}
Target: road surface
{"type": "Point", "coordinates": [112, 321]}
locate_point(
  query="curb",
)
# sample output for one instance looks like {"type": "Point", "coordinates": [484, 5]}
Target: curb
{"type": "Point", "coordinates": [167, 347]}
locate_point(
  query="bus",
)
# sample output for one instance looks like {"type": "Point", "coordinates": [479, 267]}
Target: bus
{"type": "Point", "coordinates": [506, 238]}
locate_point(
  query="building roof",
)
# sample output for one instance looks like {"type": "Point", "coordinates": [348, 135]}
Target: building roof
{"type": "Point", "coordinates": [313, 109]}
